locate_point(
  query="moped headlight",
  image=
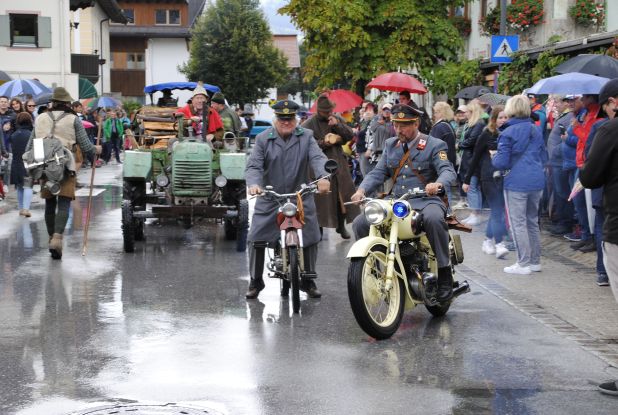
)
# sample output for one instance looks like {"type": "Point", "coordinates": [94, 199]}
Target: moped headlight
{"type": "Point", "coordinates": [375, 213]}
{"type": "Point", "coordinates": [162, 180]}
{"type": "Point", "coordinates": [401, 209]}
{"type": "Point", "coordinates": [289, 210]}
{"type": "Point", "coordinates": [221, 181]}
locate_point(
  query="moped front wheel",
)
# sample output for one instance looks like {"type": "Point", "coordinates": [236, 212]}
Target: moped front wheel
{"type": "Point", "coordinates": [378, 311]}
{"type": "Point", "coordinates": [294, 278]}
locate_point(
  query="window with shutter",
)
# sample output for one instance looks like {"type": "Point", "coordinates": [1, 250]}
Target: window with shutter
{"type": "Point", "coordinates": [44, 32]}
{"type": "Point", "coordinates": [5, 30]}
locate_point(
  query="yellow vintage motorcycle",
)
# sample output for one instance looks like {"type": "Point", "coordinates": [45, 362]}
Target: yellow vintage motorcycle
{"type": "Point", "coordinates": [394, 267]}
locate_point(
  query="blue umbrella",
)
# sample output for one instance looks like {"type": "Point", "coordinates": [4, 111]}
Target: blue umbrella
{"type": "Point", "coordinates": [569, 83]}
{"type": "Point", "coordinates": [104, 102]}
{"type": "Point", "coordinates": [23, 87]}
{"type": "Point", "coordinates": [179, 85]}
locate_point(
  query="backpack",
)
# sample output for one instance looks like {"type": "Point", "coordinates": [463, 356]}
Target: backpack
{"type": "Point", "coordinates": [48, 158]}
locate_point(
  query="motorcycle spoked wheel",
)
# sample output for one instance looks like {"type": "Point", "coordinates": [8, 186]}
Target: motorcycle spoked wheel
{"type": "Point", "coordinates": [378, 314]}
{"type": "Point", "coordinates": [294, 278]}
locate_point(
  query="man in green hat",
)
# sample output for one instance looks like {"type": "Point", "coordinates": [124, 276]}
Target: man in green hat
{"type": "Point", "coordinates": [68, 129]}
{"type": "Point", "coordinates": [231, 121]}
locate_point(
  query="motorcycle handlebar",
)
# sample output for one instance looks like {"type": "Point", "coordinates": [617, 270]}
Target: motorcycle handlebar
{"type": "Point", "coordinates": [410, 194]}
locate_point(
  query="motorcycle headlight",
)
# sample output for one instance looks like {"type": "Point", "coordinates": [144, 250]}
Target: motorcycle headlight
{"type": "Point", "coordinates": [289, 210]}
{"type": "Point", "coordinates": [401, 209]}
{"type": "Point", "coordinates": [162, 180]}
{"type": "Point", "coordinates": [221, 181]}
{"type": "Point", "coordinates": [375, 213]}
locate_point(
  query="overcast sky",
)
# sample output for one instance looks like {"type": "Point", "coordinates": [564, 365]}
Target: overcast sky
{"type": "Point", "coordinates": [278, 24]}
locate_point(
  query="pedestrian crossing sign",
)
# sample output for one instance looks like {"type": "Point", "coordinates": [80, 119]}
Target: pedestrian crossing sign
{"type": "Point", "coordinates": [502, 47]}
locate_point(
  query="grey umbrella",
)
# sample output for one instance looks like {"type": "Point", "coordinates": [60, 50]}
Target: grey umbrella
{"type": "Point", "coordinates": [472, 92]}
{"type": "Point", "coordinates": [4, 77]}
{"type": "Point", "coordinates": [597, 65]}
{"type": "Point", "coordinates": [492, 99]}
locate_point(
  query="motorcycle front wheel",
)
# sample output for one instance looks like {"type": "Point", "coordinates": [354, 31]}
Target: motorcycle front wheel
{"type": "Point", "coordinates": [377, 312]}
{"type": "Point", "coordinates": [294, 278]}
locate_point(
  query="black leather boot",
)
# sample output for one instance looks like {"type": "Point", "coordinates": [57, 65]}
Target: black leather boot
{"type": "Point", "coordinates": [445, 284]}
{"type": "Point", "coordinates": [255, 286]}
{"type": "Point", "coordinates": [311, 289]}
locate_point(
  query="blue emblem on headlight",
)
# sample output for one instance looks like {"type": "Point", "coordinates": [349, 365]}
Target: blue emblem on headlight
{"type": "Point", "coordinates": [401, 209]}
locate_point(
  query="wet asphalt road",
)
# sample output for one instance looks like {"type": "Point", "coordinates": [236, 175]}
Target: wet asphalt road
{"type": "Point", "coordinates": [169, 323]}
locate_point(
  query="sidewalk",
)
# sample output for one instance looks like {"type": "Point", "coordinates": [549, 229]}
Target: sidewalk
{"type": "Point", "coordinates": [563, 296]}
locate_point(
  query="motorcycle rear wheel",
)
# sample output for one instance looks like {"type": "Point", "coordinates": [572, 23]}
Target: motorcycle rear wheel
{"type": "Point", "coordinates": [378, 314]}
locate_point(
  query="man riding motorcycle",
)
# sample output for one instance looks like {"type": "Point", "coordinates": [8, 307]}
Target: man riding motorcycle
{"type": "Point", "coordinates": [281, 158]}
{"type": "Point", "coordinates": [415, 160]}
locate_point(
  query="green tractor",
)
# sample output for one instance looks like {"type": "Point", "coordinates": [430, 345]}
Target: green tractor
{"type": "Point", "coordinates": [185, 178]}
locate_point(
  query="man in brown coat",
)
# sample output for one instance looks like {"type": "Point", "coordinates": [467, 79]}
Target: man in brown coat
{"type": "Point", "coordinates": [331, 133]}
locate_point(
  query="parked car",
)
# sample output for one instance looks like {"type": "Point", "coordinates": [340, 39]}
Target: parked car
{"type": "Point", "coordinates": [259, 126]}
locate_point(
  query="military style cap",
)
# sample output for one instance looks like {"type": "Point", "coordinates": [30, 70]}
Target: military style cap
{"type": "Point", "coordinates": [405, 113]}
{"type": "Point", "coordinates": [285, 109]}
{"type": "Point", "coordinates": [61, 94]}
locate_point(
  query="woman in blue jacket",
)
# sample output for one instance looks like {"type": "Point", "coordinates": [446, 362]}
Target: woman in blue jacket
{"type": "Point", "coordinates": [521, 156]}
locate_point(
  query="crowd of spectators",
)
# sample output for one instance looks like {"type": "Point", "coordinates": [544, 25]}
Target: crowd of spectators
{"type": "Point", "coordinates": [521, 161]}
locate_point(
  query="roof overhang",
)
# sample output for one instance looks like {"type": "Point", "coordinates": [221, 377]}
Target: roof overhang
{"type": "Point", "coordinates": [149, 31]}
{"type": "Point", "coordinates": [565, 47]}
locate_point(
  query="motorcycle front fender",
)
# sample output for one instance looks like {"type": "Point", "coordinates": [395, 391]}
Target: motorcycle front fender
{"type": "Point", "coordinates": [362, 247]}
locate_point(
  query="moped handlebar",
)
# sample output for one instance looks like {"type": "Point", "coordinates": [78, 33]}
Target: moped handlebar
{"type": "Point", "coordinates": [307, 188]}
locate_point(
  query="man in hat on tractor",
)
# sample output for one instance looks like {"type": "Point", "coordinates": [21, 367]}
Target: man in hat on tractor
{"type": "Point", "coordinates": [424, 164]}
{"type": "Point", "coordinates": [194, 112]}
{"type": "Point", "coordinates": [231, 120]}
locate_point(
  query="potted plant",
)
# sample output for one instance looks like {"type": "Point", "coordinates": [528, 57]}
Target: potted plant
{"type": "Point", "coordinates": [490, 24]}
{"type": "Point", "coordinates": [587, 12]}
{"type": "Point", "coordinates": [522, 14]}
{"type": "Point", "coordinates": [463, 25]}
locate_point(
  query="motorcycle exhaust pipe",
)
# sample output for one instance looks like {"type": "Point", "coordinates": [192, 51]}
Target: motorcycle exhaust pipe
{"type": "Point", "coordinates": [462, 288]}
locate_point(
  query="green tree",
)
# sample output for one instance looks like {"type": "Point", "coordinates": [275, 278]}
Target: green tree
{"type": "Point", "coordinates": [450, 77]}
{"type": "Point", "coordinates": [356, 40]}
{"type": "Point", "coordinates": [231, 47]}
{"type": "Point", "coordinates": [524, 72]}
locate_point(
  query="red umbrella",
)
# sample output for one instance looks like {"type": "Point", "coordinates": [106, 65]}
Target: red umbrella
{"type": "Point", "coordinates": [87, 124]}
{"type": "Point", "coordinates": [397, 82]}
{"type": "Point", "coordinates": [344, 100]}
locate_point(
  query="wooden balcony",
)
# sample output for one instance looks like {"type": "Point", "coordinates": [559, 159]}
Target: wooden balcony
{"type": "Point", "coordinates": [129, 82]}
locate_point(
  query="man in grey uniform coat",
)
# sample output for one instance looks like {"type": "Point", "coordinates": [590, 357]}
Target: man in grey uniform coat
{"type": "Point", "coordinates": [427, 166]}
{"type": "Point", "coordinates": [281, 158]}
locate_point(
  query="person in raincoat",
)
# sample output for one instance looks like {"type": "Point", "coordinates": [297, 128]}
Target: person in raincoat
{"type": "Point", "coordinates": [281, 158]}
{"type": "Point", "coordinates": [331, 210]}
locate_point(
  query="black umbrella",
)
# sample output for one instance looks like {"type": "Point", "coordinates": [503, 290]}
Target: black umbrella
{"type": "Point", "coordinates": [597, 65]}
{"type": "Point", "coordinates": [472, 92]}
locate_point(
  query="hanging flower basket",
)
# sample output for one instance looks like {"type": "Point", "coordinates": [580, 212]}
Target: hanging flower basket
{"type": "Point", "coordinates": [523, 14]}
{"type": "Point", "coordinates": [587, 13]}
{"type": "Point", "coordinates": [463, 25]}
{"type": "Point", "coordinates": [490, 24]}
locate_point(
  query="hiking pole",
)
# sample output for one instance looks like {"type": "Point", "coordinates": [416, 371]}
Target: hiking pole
{"type": "Point", "coordinates": [94, 165]}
